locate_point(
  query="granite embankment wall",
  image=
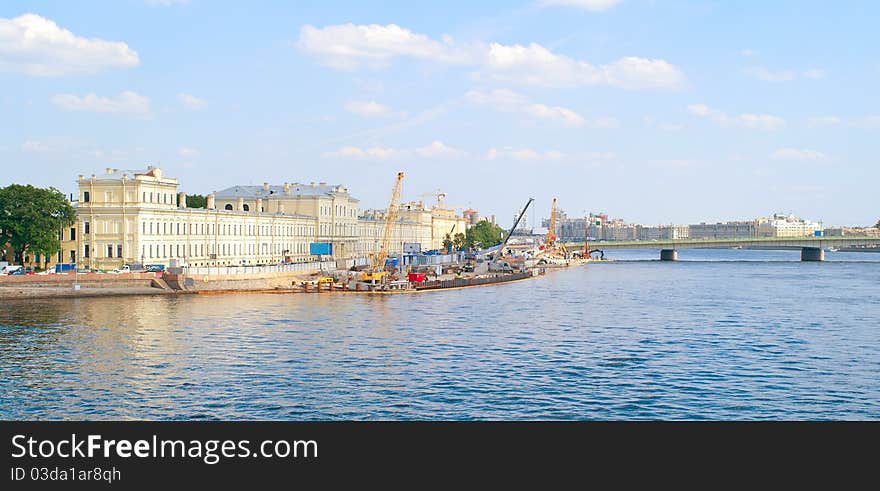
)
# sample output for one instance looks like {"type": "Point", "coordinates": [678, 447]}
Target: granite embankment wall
{"type": "Point", "coordinates": [85, 280]}
{"type": "Point", "coordinates": [235, 282]}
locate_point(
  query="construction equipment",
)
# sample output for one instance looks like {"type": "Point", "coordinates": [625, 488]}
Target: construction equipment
{"type": "Point", "coordinates": [436, 194]}
{"type": "Point", "coordinates": [551, 232]}
{"type": "Point", "coordinates": [586, 235]}
{"type": "Point", "coordinates": [500, 251]}
{"type": "Point", "coordinates": [377, 272]}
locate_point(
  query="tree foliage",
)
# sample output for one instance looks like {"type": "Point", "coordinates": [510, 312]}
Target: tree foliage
{"type": "Point", "coordinates": [31, 218]}
{"type": "Point", "coordinates": [196, 201]}
{"type": "Point", "coordinates": [459, 240]}
{"type": "Point", "coordinates": [447, 242]}
{"type": "Point", "coordinates": [484, 235]}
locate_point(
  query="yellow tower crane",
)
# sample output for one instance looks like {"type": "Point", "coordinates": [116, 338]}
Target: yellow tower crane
{"type": "Point", "coordinates": [377, 265]}
{"type": "Point", "coordinates": [551, 233]}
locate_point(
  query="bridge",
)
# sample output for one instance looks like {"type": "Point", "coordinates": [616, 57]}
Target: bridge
{"type": "Point", "coordinates": [812, 248]}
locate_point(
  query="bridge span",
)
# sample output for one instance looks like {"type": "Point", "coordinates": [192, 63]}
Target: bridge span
{"type": "Point", "coordinates": [812, 248]}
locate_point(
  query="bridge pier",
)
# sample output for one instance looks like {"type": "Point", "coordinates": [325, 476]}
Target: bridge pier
{"type": "Point", "coordinates": [812, 254]}
{"type": "Point", "coordinates": [668, 255]}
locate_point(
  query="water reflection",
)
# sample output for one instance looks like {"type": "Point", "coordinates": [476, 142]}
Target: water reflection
{"type": "Point", "coordinates": [627, 340]}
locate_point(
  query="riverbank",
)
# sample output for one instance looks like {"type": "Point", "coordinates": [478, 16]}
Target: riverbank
{"type": "Point", "coordinates": [68, 292]}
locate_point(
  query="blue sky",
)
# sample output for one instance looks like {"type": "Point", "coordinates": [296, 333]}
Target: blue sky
{"type": "Point", "coordinates": [656, 111]}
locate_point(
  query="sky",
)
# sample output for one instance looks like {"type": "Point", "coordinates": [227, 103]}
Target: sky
{"type": "Point", "coordinates": [654, 111]}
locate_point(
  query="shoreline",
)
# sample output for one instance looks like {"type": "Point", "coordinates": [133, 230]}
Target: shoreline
{"type": "Point", "coordinates": [27, 293]}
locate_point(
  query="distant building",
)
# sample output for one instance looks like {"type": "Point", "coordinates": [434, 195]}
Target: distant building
{"type": "Point", "coordinates": [787, 226]}
{"type": "Point", "coordinates": [471, 216]}
{"type": "Point", "coordinates": [724, 230]}
{"type": "Point", "coordinates": [664, 232]}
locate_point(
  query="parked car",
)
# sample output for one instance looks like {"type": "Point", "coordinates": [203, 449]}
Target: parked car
{"type": "Point", "coordinates": [155, 268]}
{"type": "Point", "coordinates": [11, 268]}
{"type": "Point", "coordinates": [17, 272]}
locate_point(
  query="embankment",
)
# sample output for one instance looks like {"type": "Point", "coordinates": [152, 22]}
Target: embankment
{"type": "Point", "coordinates": [90, 284]}
{"type": "Point", "coordinates": [235, 282]}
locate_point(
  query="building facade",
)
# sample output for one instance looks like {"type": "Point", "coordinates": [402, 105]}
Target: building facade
{"type": "Point", "coordinates": [129, 217]}
{"type": "Point", "coordinates": [126, 217]}
{"type": "Point", "coordinates": [787, 226]}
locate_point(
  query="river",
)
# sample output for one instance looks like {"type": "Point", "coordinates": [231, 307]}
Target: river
{"type": "Point", "coordinates": [718, 335]}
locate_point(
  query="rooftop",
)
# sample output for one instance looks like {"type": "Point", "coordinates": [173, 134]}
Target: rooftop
{"type": "Point", "coordinates": [274, 191]}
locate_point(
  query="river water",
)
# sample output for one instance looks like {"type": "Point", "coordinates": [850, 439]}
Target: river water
{"type": "Point", "coordinates": [717, 335]}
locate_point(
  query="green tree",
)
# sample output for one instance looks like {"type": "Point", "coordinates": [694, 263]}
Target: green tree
{"type": "Point", "coordinates": [484, 234]}
{"type": "Point", "coordinates": [196, 201]}
{"type": "Point", "coordinates": [459, 240]}
{"type": "Point", "coordinates": [447, 242]}
{"type": "Point", "coordinates": [31, 218]}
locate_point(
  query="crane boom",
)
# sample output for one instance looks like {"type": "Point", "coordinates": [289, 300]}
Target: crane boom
{"type": "Point", "coordinates": [504, 243]}
{"type": "Point", "coordinates": [551, 233]}
{"type": "Point", "coordinates": [390, 218]}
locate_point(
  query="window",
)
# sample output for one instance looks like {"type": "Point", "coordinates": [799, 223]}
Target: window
{"type": "Point", "coordinates": [151, 196]}
{"type": "Point", "coordinates": [228, 206]}
{"type": "Point", "coordinates": [145, 196]}
{"type": "Point", "coordinates": [247, 208]}
{"type": "Point", "coordinates": [86, 251]}
{"type": "Point", "coordinates": [86, 228]}
{"type": "Point", "coordinates": [109, 250]}
{"type": "Point", "coordinates": [86, 196]}
{"type": "Point", "coordinates": [119, 250]}
{"type": "Point", "coordinates": [72, 233]}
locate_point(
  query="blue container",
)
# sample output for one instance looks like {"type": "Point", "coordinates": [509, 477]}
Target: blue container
{"type": "Point", "coordinates": [819, 233]}
{"type": "Point", "coordinates": [321, 249]}
{"type": "Point", "coordinates": [64, 268]}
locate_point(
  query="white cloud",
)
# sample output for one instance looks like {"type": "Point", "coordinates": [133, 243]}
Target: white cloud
{"type": "Point", "coordinates": [436, 149]}
{"type": "Point", "coordinates": [862, 122]}
{"type": "Point", "coordinates": [676, 163]}
{"type": "Point", "coordinates": [823, 121]}
{"type": "Point", "coordinates": [538, 66]}
{"type": "Point", "coordinates": [126, 102]}
{"type": "Point", "coordinates": [38, 146]}
{"type": "Point", "coordinates": [374, 153]}
{"type": "Point", "coordinates": [651, 122]}
{"type": "Point", "coordinates": [754, 121]}
{"type": "Point", "coordinates": [814, 73]}
{"type": "Point", "coordinates": [37, 46]}
{"type": "Point", "coordinates": [592, 5]}
{"type": "Point", "coordinates": [349, 46]}
{"type": "Point", "coordinates": [188, 152]}
{"type": "Point", "coordinates": [525, 154]}
{"type": "Point", "coordinates": [797, 154]}
{"type": "Point", "coordinates": [371, 109]}
{"type": "Point", "coordinates": [866, 122]}
{"type": "Point", "coordinates": [439, 150]}
{"type": "Point", "coordinates": [190, 101]}
{"type": "Point", "coordinates": [508, 101]}
{"type": "Point", "coordinates": [766, 75]}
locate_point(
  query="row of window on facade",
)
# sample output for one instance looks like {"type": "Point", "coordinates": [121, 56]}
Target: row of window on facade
{"type": "Point", "coordinates": [87, 250]}
{"type": "Point", "coordinates": [174, 228]}
{"type": "Point", "coordinates": [198, 250]}
{"type": "Point", "coordinates": [341, 210]}
{"type": "Point", "coordinates": [166, 198]}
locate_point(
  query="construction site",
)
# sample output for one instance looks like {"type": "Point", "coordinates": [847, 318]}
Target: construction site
{"type": "Point", "coordinates": [409, 271]}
